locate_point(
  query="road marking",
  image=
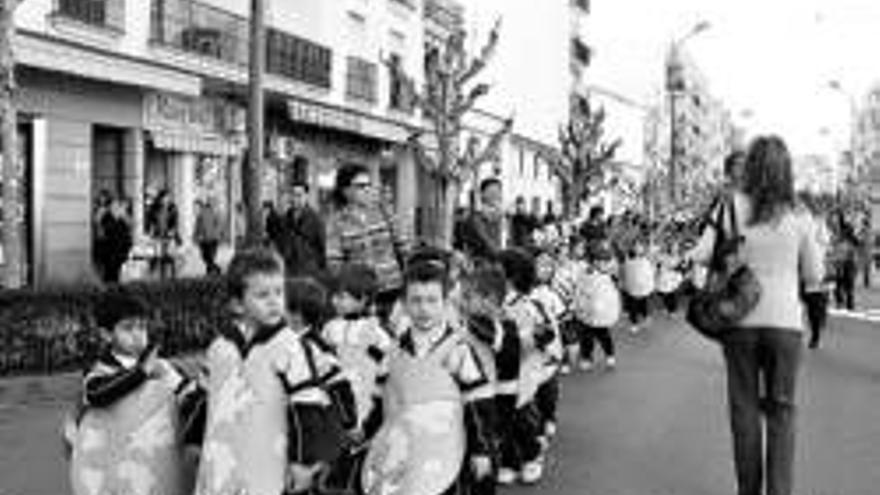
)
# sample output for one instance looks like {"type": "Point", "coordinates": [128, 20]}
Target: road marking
{"type": "Point", "coordinates": [870, 315]}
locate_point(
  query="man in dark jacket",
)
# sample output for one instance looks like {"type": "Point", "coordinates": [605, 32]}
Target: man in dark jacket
{"type": "Point", "coordinates": [522, 225]}
{"type": "Point", "coordinates": [481, 235]}
{"type": "Point", "coordinates": [302, 236]}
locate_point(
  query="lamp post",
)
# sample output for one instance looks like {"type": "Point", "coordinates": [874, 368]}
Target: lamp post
{"type": "Point", "coordinates": [674, 83]}
{"type": "Point", "coordinates": [253, 168]}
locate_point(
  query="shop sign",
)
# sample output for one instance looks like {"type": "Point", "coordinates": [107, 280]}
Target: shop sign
{"type": "Point", "coordinates": [324, 116]}
{"type": "Point", "coordinates": [167, 112]}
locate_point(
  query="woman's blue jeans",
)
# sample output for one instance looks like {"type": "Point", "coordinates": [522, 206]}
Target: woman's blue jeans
{"type": "Point", "coordinates": [762, 368]}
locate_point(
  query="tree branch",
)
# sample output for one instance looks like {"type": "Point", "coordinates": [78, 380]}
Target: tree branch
{"type": "Point", "coordinates": [479, 63]}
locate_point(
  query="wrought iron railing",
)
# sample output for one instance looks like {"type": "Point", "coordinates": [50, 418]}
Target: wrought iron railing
{"type": "Point", "coordinates": [297, 58]}
{"type": "Point", "coordinates": [101, 13]}
{"type": "Point", "coordinates": [199, 28]}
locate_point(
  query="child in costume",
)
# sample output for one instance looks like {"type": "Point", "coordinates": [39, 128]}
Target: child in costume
{"type": "Point", "coordinates": [599, 307]}
{"type": "Point", "coordinates": [522, 455]}
{"type": "Point", "coordinates": [638, 284]}
{"type": "Point", "coordinates": [669, 276]}
{"type": "Point", "coordinates": [565, 280]}
{"type": "Point", "coordinates": [128, 436]}
{"type": "Point", "coordinates": [496, 340]}
{"type": "Point", "coordinates": [436, 436]}
{"type": "Point", "coordinates": [552, 309]}
{"type": "Point", "coordinates": [267, 383]}
{"type": "Point", "coordinates": [356, 336]}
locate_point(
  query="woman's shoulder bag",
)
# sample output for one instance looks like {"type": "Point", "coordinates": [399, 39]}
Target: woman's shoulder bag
{"type": "Point", "coordinates": [732, 290]}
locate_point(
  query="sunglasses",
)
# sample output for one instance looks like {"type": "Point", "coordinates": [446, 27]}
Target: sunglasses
{"type": "Point", "coordinates": [361, 185]}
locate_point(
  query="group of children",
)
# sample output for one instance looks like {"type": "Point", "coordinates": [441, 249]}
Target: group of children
{"type": "Point", "coordinates": [455, 393]}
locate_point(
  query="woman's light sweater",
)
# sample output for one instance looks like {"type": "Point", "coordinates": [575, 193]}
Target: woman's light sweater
{"type": "Point", "coordinates": [782, 253]}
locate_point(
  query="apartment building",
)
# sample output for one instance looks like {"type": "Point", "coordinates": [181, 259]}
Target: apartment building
{"type": "Point", "coordinates": [133, 97]}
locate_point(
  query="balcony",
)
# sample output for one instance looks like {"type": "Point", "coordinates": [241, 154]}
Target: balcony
{"type": "Point", "coordinates": [298, 59]}
{"type": "Point", "coordinates": [201, 29]}
{"type": "Point", "coordinates": [105, 14]}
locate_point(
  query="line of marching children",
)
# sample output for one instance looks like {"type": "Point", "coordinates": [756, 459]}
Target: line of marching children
{"type": "Point", "coordinates": [456, 393]}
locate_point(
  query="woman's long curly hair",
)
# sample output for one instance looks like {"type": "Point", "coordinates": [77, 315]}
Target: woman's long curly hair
{"type": "Point", "coordinates": [768, 179]}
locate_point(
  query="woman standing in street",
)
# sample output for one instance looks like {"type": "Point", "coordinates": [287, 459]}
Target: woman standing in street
{"type": "Point", "coordinates": [763, 352]}
{"type": "Point", "coordinates": [360, 231]}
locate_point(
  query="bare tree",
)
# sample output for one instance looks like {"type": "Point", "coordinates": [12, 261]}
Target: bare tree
{"type": "Point", "coordinates": [12, 170]}
{"type": "Point", "coordinates": [586, 155]}
{"type": "Point", "coordinates": [449, 95]}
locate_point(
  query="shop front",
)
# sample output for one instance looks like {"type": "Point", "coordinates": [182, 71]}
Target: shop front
{"type": "Point", "coordinates": [309, 142]}
{"type": "Point", "coordinates": [193, 149]}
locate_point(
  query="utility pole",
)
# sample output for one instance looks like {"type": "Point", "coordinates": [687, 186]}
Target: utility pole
{"type": "Point", "coordinates": [253, 169]}
{"type": "Point", "coordinates": [11, 194]}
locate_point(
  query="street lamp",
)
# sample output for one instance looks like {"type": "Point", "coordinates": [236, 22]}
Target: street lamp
{"type": "Point", "coordinates": [674, 83]}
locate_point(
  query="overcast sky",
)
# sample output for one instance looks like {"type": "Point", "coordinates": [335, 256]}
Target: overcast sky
{"type": "Point", "coordinates": [770, 58]}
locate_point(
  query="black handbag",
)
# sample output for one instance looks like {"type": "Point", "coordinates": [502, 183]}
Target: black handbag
{"type": "Point", "coordinates": [732, 290]}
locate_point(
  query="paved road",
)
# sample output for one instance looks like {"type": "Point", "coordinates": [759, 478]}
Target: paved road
{"type": "Point", "coordinates": [658, 425]}
{"type": "Point", "coordinates": [655, 426]}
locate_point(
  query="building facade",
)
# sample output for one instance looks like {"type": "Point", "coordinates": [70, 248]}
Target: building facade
{"type": "Point", "coordinates": [688, 134]}
{"type": "Point", "coordinates": [130, 98]}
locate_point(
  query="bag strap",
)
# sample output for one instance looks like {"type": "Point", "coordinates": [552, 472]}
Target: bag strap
{"type": "Point", "coordinates": [718, 225]}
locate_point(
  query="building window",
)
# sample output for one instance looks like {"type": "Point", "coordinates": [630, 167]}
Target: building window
{"type": "Point", "coordinates": [200, 28]}
{"type": "Point", "coordinates": [401, 95]}
{"type": "Point", "coordinates": [582, 4]}
{"type": "Point", "coordinates": [101, 13]}
{"type": "Point", "coordinates": [298, 59]}
{"type": "Point", "coordinates": [361, 80]}
{"type": "Point", "coordinates": [537, 165]}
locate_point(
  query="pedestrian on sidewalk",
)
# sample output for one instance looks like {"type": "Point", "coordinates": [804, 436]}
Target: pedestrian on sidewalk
{"type": "Point", "coordinates": [846, 250]}
{"type": "Point", "coordinates": [208, 233]}
{"type": "Point", "coordinates": [816, 296]}
{"type": "Point", "coordinates": [763, 353]}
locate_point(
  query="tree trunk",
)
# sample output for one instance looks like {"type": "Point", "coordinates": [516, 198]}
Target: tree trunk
{"type": "Point", "coordinates": [449, 201]}
{"type": "Point", "coordinates": [12, 170]}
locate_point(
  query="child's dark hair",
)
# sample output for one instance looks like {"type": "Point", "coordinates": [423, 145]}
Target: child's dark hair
{"type": "Point", "coordinates": [307, 297]}
{"type": "Point", "coordinates": [115, 305]}
{"type": "Point", "coordinates": [426, 271]}
{"type": "Point", "coordinates": [357, 279]}
{"type": "Point", "coordinates": [519, 269]}
{"type": "Point", "coordinates": [248, 263]}
{"type": "Point", "coordinates": [489, 281]}
{"type": "Point", "coordinates": [429, 254]}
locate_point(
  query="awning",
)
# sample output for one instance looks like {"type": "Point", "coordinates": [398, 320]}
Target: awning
{"type": "Point", "coordinates": [205, 144]}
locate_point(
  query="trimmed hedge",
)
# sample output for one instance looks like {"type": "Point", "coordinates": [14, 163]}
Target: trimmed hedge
{"type": "Point", "coordinates": [52, 330]}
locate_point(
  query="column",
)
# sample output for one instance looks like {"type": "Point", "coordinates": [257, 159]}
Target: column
{"type": "Point", "coordinates": [134, 163]}
{"type": "Point", "coordinates": [185, 194]}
